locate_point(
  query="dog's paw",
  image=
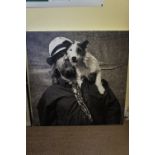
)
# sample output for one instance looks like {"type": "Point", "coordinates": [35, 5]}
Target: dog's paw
{"type": "Point", "coordinates": [101, 89]}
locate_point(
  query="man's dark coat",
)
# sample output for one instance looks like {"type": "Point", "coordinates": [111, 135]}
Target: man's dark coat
{"type": "Point", "coordinates": [58, 105]}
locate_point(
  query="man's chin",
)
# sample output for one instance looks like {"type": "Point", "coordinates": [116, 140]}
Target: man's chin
{"type": "Point", "coordinates": [69, 74]}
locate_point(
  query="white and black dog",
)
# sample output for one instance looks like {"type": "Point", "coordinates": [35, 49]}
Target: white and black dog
{"type": "Point", "coordinates": [85, 64]}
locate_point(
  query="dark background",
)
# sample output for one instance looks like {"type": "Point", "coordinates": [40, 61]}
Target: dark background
{"type": "Point", "coordinates": [110, 48]}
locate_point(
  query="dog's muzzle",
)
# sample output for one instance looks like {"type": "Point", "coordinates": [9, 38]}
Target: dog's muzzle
{"type": "Point", "coordinates": [74, 59]}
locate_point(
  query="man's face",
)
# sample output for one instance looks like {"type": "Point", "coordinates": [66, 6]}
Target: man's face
{"type": "Point", "coordinates": [65, 68]}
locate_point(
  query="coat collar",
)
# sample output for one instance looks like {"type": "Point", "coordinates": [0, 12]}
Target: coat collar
{"type": "Point", "coordinates": [64, 83]}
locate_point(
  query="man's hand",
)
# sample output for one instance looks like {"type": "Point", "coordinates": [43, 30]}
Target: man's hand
{"type": "Point", "coordinates": [104, 108]}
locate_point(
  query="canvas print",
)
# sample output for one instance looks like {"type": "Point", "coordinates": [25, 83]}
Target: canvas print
{"type": "Point", "coordinates": [77, 78]}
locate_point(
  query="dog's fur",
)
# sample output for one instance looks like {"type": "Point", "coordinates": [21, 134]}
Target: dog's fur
{"type": "Point", "coordinates": [85, 64]}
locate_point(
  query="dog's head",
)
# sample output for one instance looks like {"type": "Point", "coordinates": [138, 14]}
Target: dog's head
{"type": "Point", "coordinates": [76, 52]}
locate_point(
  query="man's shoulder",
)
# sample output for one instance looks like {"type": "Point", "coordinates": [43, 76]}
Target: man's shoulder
{"type": "Point", "coordinates": [51, 94]}
{"type": "Point", "coordinates": [56, 90]}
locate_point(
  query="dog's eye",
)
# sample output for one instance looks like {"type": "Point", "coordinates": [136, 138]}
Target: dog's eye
{"type": "Point", "coordinates": [70, 49]}
{"type": "Point", "coordinates": [80, 51]}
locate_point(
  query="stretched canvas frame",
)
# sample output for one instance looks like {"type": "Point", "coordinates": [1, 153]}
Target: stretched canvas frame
{"type": "Point", "coordinates": [110, 48]}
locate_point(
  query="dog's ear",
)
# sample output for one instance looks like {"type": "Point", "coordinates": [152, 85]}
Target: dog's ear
{"type": "Point", "coordinates": [84, 44]}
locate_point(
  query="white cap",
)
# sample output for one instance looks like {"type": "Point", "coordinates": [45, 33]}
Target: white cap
{"type": "Point", "coordinates": [57, 45]}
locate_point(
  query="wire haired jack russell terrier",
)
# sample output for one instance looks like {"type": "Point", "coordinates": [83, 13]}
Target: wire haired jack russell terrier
{"type": "Point", "coordinates": [85, 64]}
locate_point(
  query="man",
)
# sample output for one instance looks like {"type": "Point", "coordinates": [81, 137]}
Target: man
{"type": "Point", "coordinates": [64, 103]}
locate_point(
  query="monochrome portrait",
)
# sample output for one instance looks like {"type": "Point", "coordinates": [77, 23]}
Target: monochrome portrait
{"type": "Point", "coordinates": [77, 78]}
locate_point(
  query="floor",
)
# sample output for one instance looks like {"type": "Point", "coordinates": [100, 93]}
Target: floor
{"type": "Point", "coordinates": [78, 140]}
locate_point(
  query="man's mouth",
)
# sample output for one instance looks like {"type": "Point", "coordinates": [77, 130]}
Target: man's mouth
{"type": "Point", "coordinates": [70, 73]}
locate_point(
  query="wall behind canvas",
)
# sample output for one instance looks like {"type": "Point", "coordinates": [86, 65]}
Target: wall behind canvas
{"type": "Point", "coordinates": [114, 15]}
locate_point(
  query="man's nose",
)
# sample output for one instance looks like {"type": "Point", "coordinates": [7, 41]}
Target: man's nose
{"type": "Point", "coordinates": [67, 62]}
{"type": "Point", "coordinates": [65, 57]}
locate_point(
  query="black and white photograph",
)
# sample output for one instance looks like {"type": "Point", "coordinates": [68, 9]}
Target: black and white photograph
{"type": "Point", "coordinates": [77, 78]}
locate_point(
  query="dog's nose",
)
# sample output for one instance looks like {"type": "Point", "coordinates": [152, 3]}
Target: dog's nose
{"type": "Point", "coordinates": [74, 59]}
